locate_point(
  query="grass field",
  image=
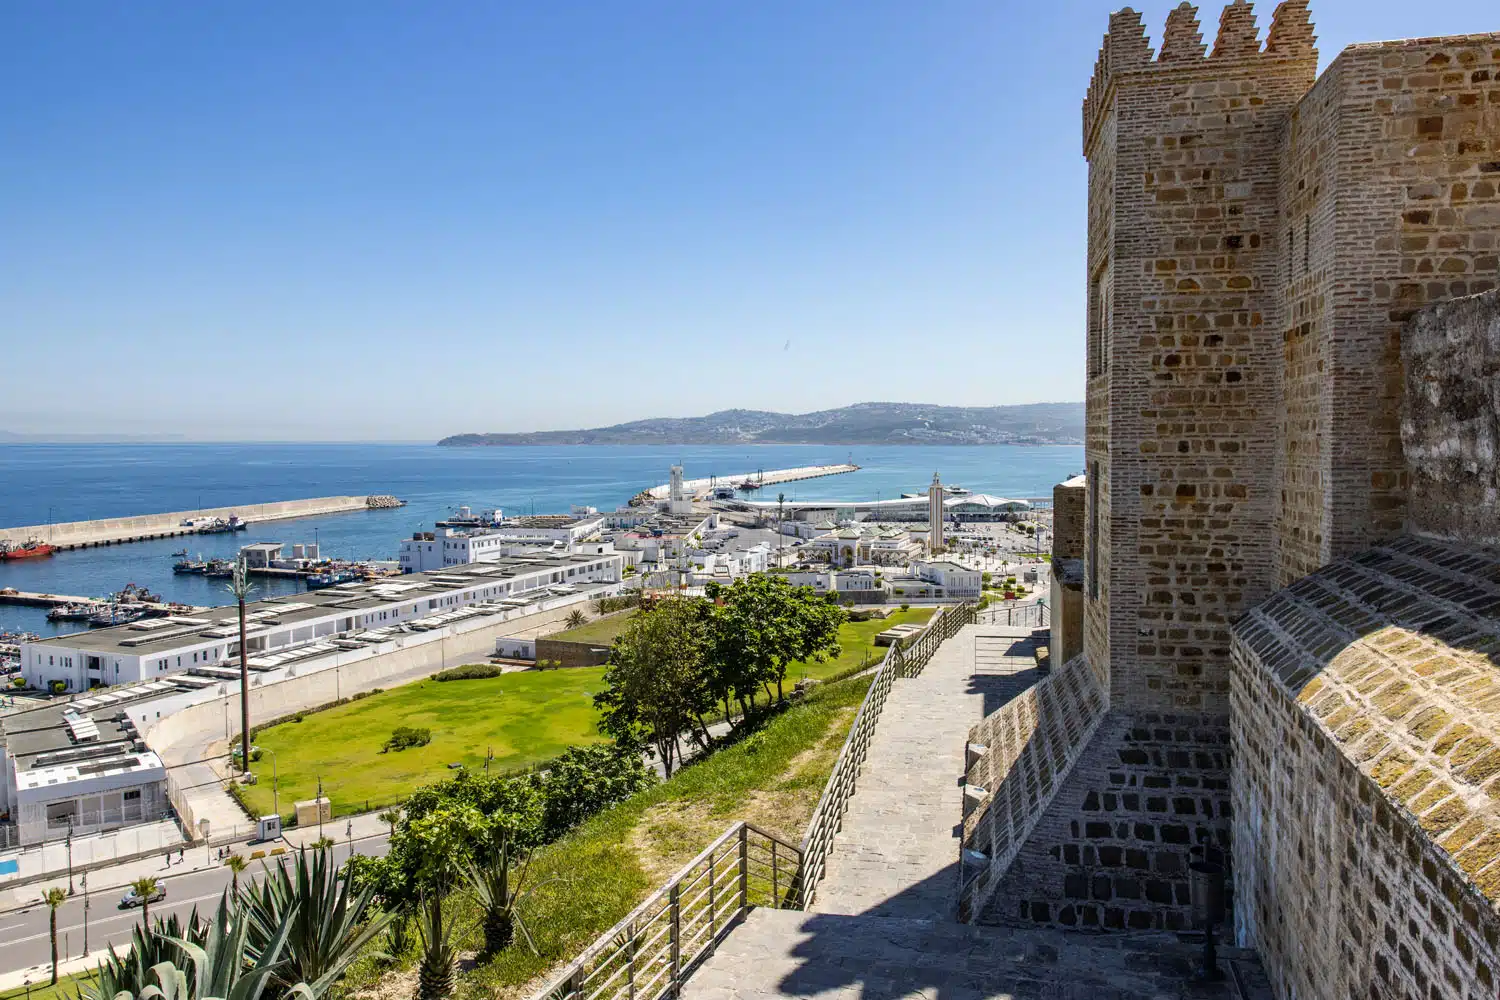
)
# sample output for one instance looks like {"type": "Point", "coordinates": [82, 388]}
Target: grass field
{"type": "Point", "coordinates": [524, 717]}
{"type": "Point", "coordinates": [858, 642]}
{"type": "Point", "coordinates": [591, 878]}
{"type": "Point", "coordinates": [67, 986]}
{"type": "Point", "coordinates": [601, 630]}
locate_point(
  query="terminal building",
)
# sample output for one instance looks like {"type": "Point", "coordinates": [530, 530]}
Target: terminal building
{"type": "Point", "coordinates": [78, 768]}
{"type": "Point", "coordinates": [294, 626]}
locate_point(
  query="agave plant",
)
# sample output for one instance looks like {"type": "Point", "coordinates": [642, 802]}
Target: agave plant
{"type": "Point", "coordinates": [435, 974]}
{"type": "Point", "coordinates": [130, 972]}
{"type": "Point", "coordinates": [329, 922]}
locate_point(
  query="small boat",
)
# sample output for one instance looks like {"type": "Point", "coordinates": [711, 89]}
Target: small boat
{"type": "Point", "coordinates": [332, 578]}
{"type": "Point", "coordinates": [32, 548]}
{"type": "Point", "coordinates": [189, 566]}
{"type": "Point", "coordinates": [72, 613]}
{"type": "Point", "coordinates": [748, 485]}
{"type": "Point", "coordinates": [115, 614]}
{"type": "Point", "coordinates": [180, 554]}
{"type": "Point", "coordinates": [218, 569]}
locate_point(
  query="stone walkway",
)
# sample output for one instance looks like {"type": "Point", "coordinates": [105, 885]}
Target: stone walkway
{"type": "Point", "coordinates": [883, 925]}
{"type": "Point", "coordinates": [897, 854]}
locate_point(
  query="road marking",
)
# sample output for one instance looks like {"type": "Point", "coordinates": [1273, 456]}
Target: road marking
{"type": "Point", "coordinates": [129, 915]}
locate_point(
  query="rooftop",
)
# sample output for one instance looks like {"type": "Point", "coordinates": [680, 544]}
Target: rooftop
{"type": "Point", "coordinates": [153, 635]}
{"type": "Point", "coordinates": [79, 732]}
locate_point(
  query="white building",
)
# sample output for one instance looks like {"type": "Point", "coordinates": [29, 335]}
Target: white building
{"type": "Point", "coordinates": [297, 625]}
{"type": "Point", "coordinates": [78, 768]}
{"type": "Point", "coordinates": [426, 551]}
{"type": "Point", "coordinates": [940, 580]}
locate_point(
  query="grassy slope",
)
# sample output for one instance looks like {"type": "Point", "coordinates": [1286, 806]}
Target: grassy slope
{"type": "Point", "coordinates": [600, 630]}
{"type": "Point", "coordinates": [585, 883]}
{"type": "Point", "coordinates": [858, 642]}
{"type": "Point", "coordinates": [525, 717]}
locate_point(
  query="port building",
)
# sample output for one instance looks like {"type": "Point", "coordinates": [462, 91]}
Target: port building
{"type": "Point", "coordinates": [298, 626]}
{"type": "Point", "coordinates": [956, 507]}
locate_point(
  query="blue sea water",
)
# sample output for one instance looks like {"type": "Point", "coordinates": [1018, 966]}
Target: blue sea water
{"type": "Point", "coordinates": [42, 483]}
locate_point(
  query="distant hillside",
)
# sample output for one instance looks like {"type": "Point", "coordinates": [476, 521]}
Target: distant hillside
{"type": "Point", "coordinates": [863, 423]}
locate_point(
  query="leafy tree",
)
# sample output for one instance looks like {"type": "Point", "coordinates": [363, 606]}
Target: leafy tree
{"type": "Point", "coordinates": [655, 687]}
{"type": "Point", "coordinates": [236, 864]}
{"type": "Point", "coordinates": [145, 888]}
{"type": "Point", "coordinates": [54, 898]}
{"type": "Point", "coordinates": [585, 780]}
{"type": "Point", "coordinates": [761, 624]}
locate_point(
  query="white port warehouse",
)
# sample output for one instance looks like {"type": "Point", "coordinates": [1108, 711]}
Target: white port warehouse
{"type": "Point", "coordinates": [281, 629]}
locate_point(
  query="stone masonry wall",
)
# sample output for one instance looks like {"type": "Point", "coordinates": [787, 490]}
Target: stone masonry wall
{"type": "Point", "coordinates": [1112, 850]}
{"type": "Point", "coordinates": [1388, 202]}
{"type": "Point", "coordinates": [1184, 437]}
{"type": "Point", "coordinates": [1450, 426]}
{"type": "Point", "coordinates": [1366, 776]}
{"type": "Point", "coordinates": [1069, 508]}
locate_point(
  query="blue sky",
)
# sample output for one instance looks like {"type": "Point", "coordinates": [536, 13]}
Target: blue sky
{"type": "Point", "coordinates": [387, 220]}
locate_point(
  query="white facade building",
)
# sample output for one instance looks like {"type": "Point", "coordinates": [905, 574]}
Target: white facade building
{"type": "Point", "coordinates": [313, 622]}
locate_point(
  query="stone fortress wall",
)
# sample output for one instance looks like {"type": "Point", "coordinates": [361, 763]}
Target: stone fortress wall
{"type": "Point", "coordinates": [1291, 579]}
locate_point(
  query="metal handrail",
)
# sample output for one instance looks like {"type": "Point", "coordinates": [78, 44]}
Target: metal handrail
{"type": "Point", "coordinates": [651, 951]}
{"type": "Point", "coordinates": [828, 816]}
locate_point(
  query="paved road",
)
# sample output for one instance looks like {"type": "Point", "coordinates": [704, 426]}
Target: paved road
{"type": "Point", "coordinates": [25, 933]}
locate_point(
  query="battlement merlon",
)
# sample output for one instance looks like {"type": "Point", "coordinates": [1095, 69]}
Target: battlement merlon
{"type": "Point", "coordinates": [1126, 51]}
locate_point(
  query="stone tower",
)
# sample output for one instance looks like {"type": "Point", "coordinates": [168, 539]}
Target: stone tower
{"type": "Point", "coordinates": [935, 514]}
{"type": "Point", "coordinates": [1184, 343]}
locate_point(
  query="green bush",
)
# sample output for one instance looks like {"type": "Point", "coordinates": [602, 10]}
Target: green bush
{"type": "Point", "coordinates": [57, 687]}
{"type": "Point", "coordinates": [18, 682]}
{"type": "Point", "coordinates": [906, 607]}
{"type": "Point", "coordinates": [408, 736]}
{"type": "Point", "coordinates": [468, 672]}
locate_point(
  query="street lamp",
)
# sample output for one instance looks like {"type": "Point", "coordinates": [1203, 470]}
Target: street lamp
{"type": "Point", "coordinates": [85, 913]}
{"type": "Point", "coordinates": [70, 854]}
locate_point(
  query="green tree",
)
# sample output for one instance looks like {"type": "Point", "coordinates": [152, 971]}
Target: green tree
{"type": "Point", "coordinates": [576, 619]}
{"type": "Point", "coordinates": [236, 864]}
{"type": "Point", "coordinates": [585, 780]}
{"type": "Point", "coordinates": [54, 898]}
{"type": "Point", "coordinates": [145, 888]}
{"type": "Point", "coordinates": [655, 686]}
{"type": "Point", "coordinates": [761, 624]}
{"type": "Point", "coordinates": [390, 818]}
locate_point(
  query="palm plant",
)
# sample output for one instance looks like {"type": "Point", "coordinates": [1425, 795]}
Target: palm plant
{"type": "Point", "coordinates": [236, 864]}
{"type": "Point", "coordinates": [390, 818]}
{"type": "Point", "coordinates": [576, 618]}
{"type": "Point", "coordinates": [435, 975]}
{"type": "Point", "coordinates": [329, 921]}
{"type": "Point", "coordinates": [53, 898]}
{"type": "Point", "coordinates": [145, 888]}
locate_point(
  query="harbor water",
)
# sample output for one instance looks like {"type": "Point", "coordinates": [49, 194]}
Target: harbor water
{"type": "Point", "coordinates": [42, 483]}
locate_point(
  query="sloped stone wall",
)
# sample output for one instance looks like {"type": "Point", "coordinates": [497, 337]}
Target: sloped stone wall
{"type": "Point", "coordinates": [1366, 775]}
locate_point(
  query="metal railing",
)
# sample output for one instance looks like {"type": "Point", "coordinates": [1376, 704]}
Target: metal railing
{"type": "Point", "coordinates": [1024, 615]}
{"type": "Point", "coordinates": [828, 816]}
{"type": "Point", "coordinates": [649, 953]}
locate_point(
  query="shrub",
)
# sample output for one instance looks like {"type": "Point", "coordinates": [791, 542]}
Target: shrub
{"type": "Point", "coordinates": [18, 682]}
{"type": "Point", "coordinates": [57, 687]}
{"type": "Point", "coordinates": [468, 672]}
{"type": "Point", "coordinates": [407, 736]}
{"type": "Point", "coordinates": [906, 607]}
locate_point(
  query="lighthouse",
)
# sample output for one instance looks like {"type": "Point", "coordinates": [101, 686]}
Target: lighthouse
{"type": "Point", "coordinates": [935, 514]}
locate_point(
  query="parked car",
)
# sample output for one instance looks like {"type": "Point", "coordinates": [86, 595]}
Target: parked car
{"type": "Point", "coordinates": [130, 900]}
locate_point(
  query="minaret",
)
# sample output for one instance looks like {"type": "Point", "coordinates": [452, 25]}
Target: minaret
{"type": "Point", "coordinates": [935, 515]}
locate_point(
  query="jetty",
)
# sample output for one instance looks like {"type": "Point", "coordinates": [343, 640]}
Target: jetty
{"type": "Point", "coordinates": [763, 478]}
{"type": "Point", "coordinates": [118, 530]}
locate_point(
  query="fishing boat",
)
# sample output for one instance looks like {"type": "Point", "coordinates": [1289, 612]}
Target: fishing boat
{"type": "Point", "coordinates": [32, 548]}
{"type": "Point", "coordinates": [331, 578]}
{"type": "Point", "coordinates": [218, 569]}
{"type": "Point", "coordinates": [116, 614]}
{"type": "Point", "coordinates": [180, 554]}
{"type": "Point", "coordinates": [222, 525]}
{"type": "Point", "coordinates": [194, 566]}
{"type": "Point", "coordinates": [72, 612]}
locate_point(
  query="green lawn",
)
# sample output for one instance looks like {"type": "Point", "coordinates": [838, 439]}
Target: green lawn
{"type": "Point", "coordinates": [524, 717]}
{"type": "Point", "coordinates": [857, 640]}
{"type": "Point", "coordinates": [67, 986]}
{"type": "Point", "coordinates": [600, 631]}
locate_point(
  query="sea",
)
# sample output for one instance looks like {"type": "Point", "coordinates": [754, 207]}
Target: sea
{"type": "Point", "coordinates": [42, 483]}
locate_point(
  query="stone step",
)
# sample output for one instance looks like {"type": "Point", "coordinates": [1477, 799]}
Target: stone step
{"type": "Point", "coordinates": [780, 953]}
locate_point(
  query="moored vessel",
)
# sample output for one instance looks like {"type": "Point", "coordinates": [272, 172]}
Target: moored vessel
{"type": "Point", "coordinates": [32, 548]}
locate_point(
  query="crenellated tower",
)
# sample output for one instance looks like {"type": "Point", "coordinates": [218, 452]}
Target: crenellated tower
{"type": "Point", "coordinates": [1184, 342]}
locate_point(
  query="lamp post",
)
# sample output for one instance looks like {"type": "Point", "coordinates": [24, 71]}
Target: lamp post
{"type": "Point", "coordinates": [319, 806]}
{"type": "Point", "coordinates": [85, 913]}
{"type": "Point", "coordinates": [70, 854]}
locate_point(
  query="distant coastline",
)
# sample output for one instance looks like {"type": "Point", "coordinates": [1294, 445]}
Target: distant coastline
{"type": "Point", "coordinates": [863, 424]}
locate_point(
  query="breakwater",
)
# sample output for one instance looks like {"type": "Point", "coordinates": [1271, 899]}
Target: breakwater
{"type": "Point", "coordinates": [117, 530]}
{"type": "Point", "coordinates": [763, 478]}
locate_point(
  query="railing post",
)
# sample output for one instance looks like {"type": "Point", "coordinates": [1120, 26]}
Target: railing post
{"type": "Point", "coordinates": [744, 867]}
{"type": "Point", "coordinates": [675, 933]}
{"type": "Point", "coordinates": [775, 875]}
{"type": "Point", "coordinates": [630, 955]}
{"type": "Point", "coordinates": [575, 984]}
{"type": "Point", "coordinates": [713, 924]}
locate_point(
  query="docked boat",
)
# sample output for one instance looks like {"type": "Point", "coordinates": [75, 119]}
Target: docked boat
{"type": "Point", "coordinates": [218, 569]}
{"type": "Point", "coordinates": [192, 566]}
{"type": "Point", "coordinates": [116, 614]}
{"type": "Point", "coordinates": [32, 548]}
{"type": "Point", "coordinates": [332, 578]}
{"type": "Point", "coordinates": [223, 525]}
{"type": "Point", "coordinates": [180, 554]}
{"type": "Point", "coordinates": [72, 612]}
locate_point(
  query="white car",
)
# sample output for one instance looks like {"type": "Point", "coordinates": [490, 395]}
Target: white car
{"type": "Point", "coordinates": [130, 900]}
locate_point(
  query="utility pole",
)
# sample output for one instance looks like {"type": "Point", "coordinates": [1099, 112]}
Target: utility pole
{"type": "Point", "coordinates": [780, 530]}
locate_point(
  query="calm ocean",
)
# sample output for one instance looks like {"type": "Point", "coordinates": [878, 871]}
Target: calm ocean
{"type": "Point", "coordinates": [41, 483]}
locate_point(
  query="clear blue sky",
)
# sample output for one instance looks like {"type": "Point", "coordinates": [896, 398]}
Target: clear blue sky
{"type": "Point", "coordinates": [393, 220]}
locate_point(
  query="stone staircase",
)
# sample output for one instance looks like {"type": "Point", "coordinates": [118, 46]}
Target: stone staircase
{"type": "Point", "coordinates": [883, 923]}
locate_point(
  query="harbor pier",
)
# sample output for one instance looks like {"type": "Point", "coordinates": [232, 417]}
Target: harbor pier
{"type": "Point", "coordinates": [762, 478]}
{"type": "Point", "coordinates": [117, 530]}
